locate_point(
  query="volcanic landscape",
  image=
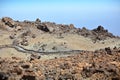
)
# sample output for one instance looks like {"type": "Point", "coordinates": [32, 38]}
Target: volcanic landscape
{"type": "Point", "coordinates": [36, 50]}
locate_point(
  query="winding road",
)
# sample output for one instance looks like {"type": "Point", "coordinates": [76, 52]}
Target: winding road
{"type": "Point", "coordinates": [22, 49]}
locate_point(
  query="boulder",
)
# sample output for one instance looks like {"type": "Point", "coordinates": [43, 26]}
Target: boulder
{"type": "Point", "coordinates": [28, 77]}
{"type": "Point", "coordinates": [35, 56]}
{"type": "Point", "coordinates": [43, 27]}
{"type": "Point", "coordinates": [8, 21]}
{"type": "Point", "coordinates": [38, 21]}
{"type": "Point", "coordinates": [3, 26]}
{"type": "Point", "coordinates": [25, 66]}
{"type": "Point", "coordinates": [18, 28]}
{"type": "Point", "coordinates": [25, 42]}
{"type": "Point", "coordinates": [3, 76]}
{"type": "Point", "coordinates": [100, 28]}
{"type": "Point", "coordinates": [50, 26]}
{"type": "Point", "coordinates": [108, 50]}
{"type": "Point", "coordinates": [71, 26]}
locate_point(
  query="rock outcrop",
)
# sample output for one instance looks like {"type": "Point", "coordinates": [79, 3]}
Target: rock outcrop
{"type": "Point", "coordinates": [96, 34]}
{"type": "Point", "coordinates": [8, 21]}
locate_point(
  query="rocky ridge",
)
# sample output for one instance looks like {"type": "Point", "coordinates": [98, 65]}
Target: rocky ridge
{"type": "Point", "coordinates": [99, 33]}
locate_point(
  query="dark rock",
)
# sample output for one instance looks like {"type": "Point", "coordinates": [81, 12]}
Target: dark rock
{"type": "Point", "coordinates": [54, 48]}
{"type": "Point", "coordinates": [108, 50]}
{"type": "Point", "coordinates": [3, 76]}
{"type": "Point", "coordinates": [26, 66]}
{"type": "Point", "coordinates": [34, 56]}
{"type": "Point", "coordinates": [38, 21]}
{"type": "Point", "coordinates": [116, 78]}
{"type": "Point", "coordinates": [28, 77]}
{"type": "Point", "coordinates": [100, 28]}
{"type": "Point", "coordinates": [43, 27]}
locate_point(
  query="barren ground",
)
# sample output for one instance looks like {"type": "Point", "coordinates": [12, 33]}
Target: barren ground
{"type": "Point", "coordinates": [48, 51]}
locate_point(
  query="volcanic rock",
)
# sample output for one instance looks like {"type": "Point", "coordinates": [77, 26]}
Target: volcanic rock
{"type": "Point", "coordinates": [24, 42]}
{"type": "Point", "coordinates": [37, 50]}
{"type": "Point", "coordinates": [34, 56]}
{"type": "Point", "coordinates": [43, 27]}
{"type": "Point", "coordinates": [101, 33]}
{"type": "Point", "coordinates": [18, 28]}
{"type": "Point", "coordinates": [8, 21]}
{"type": "Point", "coordinates": [28, 77]}
{"type": "Point", "coordinates": [38, 21]}
{"type": "Point", "coordinates": [71, 26]}
{"type": "Point", "coordinates": [108, 50]}
{"type": "Point", "coordinates": [3, 76]}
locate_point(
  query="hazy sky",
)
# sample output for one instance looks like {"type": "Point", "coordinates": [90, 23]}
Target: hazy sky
{"type": "Point", "coordinates": [82, 13]}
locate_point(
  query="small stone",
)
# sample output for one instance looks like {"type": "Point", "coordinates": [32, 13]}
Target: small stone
{"type": "Point", "coordinates": [33, 36]}
{"type": "Point", "coordinates": [24, 42]}
{"type": "Point", "coordinates": [25, 66]}
{"type": "Point", "coordinates": [18, 70]}
{"type": "Point", "coordinates": [12, 36]}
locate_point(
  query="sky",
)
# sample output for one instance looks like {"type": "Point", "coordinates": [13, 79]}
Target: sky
{"type": "Point", "coordinates": [81, 13]}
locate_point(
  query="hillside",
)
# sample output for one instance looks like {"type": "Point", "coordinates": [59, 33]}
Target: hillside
{"type": "Point", "coordinates": [30, 48]}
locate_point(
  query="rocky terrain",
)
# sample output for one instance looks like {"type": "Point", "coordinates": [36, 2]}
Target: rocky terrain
{"type": "Point", "coordinates": [36, 50]}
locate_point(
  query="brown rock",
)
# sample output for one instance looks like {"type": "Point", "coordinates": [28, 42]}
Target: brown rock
{"type": "Point", "coordinates": [18, 28]}
{"type": "Point", "coordinates": [12, 36]}
{"type": "Point", "coordinates": [25, 66]}
{"type": "Point", "coordinates": [34, 56]}
{"type": "Point", "coordinates": [8, 21]}
{"type": "Point", "coordinates": [71, 26]}
{"type": "Point", "coordinates": [18, 70]}
{"type": "Point", "coordinates": [24, 42]}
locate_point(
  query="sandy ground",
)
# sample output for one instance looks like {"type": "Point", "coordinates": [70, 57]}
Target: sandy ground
{"type": "Point", "coordinates": [67, 42]}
